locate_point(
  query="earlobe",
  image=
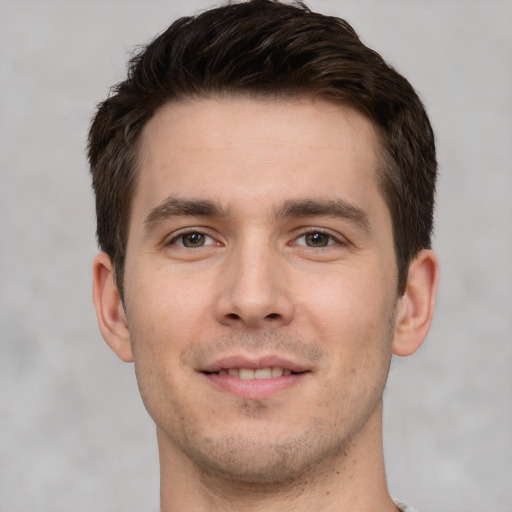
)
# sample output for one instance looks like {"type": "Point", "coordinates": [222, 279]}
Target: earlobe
{"type": "Point", "coordinates": [416, 307]}
{"type": "Point", "coordinates": [109, 308]}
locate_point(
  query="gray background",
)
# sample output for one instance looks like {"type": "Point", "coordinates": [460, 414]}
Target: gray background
{"type": "Point", "coordinates": [73, 431]}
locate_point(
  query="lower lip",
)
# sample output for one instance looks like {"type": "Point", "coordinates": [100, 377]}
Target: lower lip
{"type": "Point", "coordinates": [255, 388]}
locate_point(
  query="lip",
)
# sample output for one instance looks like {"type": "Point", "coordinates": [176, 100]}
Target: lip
{"type": "Point", "coordinates": [255, 389]}
{"type": "Point", "coordinates": [237, 361]}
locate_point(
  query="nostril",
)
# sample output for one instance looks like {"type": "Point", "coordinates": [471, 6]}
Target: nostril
{"type": "Point", "coordinates": [273, 316]}
{"type": "Point", "coordinates": [233, 316]}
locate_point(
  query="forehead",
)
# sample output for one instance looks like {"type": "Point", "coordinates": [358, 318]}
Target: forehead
{"type": "Point", "coordinates": [246, 142]}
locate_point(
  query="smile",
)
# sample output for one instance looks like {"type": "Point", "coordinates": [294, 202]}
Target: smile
{"type": "Point", "coordinates": [255, 377]}
{"type": "Point", "coordinates": [260, 381]}
{"type": "Point", "coordinates": [258, 374]}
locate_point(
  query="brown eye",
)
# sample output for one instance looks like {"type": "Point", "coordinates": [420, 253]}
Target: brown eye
{"type": "Point", "coordinates": [193, 240]}
{"type": "Point", "coordinates": [317, 239]}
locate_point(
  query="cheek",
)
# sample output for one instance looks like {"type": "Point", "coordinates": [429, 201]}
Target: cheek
{"type": "Point", "coordinates": [167, 307]}
{"type": "Point", "coordinates": [165, 316]}
{"type": "Point", "coordinates": [350, 311]}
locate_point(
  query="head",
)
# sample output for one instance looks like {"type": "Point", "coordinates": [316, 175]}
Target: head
{"type": "Point", "coordinates": [264, 188]}
{"type": "Point", "coordinates": [268, 50]}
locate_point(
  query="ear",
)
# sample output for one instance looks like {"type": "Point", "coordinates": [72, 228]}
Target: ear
{"type": "Point", "coordinates": [109, 308]}
{"type": "Point", "coordinates": [416, 307]}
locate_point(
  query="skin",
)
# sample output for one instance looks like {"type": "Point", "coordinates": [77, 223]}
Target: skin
{"type": "Point", "coordinates": [258, 236]}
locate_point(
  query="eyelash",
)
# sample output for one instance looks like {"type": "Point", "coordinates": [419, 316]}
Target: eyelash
{"type": "Point", "coordinates": [181, 235]}
{"type": "Point", "coordinates": [332, 239]}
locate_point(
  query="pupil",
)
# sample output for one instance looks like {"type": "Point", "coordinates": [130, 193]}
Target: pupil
{"type": "Point", "coordinates": [193, 240]}
{"type": "Point", "coordinates": [316, 239]}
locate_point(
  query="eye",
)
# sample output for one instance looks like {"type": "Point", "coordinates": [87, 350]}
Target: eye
{"type": "Point", "coordinates": [193, 239]}
{"type": "Point", "coordinates": [316, 239]}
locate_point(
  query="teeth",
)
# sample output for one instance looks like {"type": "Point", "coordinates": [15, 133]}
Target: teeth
{"type": "Point", "coordinates": [259, 374]}
{"type": "Point", "coordinates": [263, 373]}
{"type": "Point", "coordinates": [277, 371]}
{"type": "Point", "coordinates": [246, 373]}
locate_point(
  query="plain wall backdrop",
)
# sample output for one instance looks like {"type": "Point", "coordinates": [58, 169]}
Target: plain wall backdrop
{"type": "Point", "coordinates": [74, 434]}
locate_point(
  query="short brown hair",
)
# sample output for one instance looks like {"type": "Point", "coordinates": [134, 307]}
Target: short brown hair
{"type": "Point", "coordinates": [266, 48]}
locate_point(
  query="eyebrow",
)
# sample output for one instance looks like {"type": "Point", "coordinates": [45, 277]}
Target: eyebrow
{"type": "Point", "coordinates": [337, 208]}
{"type": "Point", "coordinates": [178, 207]}
{"type": "Point", "coordinates": [290, 208]}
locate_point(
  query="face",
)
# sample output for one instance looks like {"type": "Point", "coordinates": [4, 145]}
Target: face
{"type": "Point", "coordinates": [260, 283]}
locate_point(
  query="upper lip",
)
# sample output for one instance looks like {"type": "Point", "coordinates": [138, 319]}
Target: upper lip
{"type": "Point", "coordinates": [254, 363]}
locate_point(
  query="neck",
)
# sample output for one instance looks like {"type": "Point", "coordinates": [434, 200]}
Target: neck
{"type": "Point", "coordinates": [353, 480]}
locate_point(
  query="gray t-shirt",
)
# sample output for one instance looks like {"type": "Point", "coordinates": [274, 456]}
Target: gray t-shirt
{"type": "Point", "coordinates": [404, 507]}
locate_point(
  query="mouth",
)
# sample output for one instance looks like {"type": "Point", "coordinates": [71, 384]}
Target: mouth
{"type": "Point", "coordinates": [255, 378]}
{"type": "Point", "coordinates": [271, 372]}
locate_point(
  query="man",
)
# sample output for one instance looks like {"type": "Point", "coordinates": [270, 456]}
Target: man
{"type": "Point", "coordinates": [264, 188]}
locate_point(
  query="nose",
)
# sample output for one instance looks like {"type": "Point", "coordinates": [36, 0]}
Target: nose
{"type": "Point", "coordinates": [253, 289]}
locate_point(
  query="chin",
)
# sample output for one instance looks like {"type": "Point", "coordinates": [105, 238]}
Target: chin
{"type": "Point", "coordinates": [261, 461]}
